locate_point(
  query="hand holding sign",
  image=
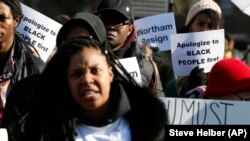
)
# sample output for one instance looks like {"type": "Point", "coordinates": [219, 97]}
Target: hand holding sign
{"type": "Point", "coordinates": [197, 77]}
{"type": "Point", "coordinates": [201, 49]}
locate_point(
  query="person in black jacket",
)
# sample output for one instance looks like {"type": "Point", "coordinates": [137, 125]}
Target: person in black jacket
{"type": "Point", "coordinates": [204, 15]}
{"type": "Point", "coordinates": [78, 97]}
{"type": "Point", "coordinates": [17, 60]}
{"type": "Point", "coordinates": [118, 18]}
{"type": "Point", "coordinates": [81, 24]}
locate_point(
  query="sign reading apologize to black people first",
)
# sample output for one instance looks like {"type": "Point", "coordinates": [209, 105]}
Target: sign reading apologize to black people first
{"type": "Point", "coordinates": [201, 49]}
{"type": "Point", "coordinates": [39, 31]}
{"type": "Point", "coordinates": [155, 30]}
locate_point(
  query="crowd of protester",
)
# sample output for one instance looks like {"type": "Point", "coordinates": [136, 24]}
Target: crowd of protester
{"type": "Point", "coordinates": [84, 93]}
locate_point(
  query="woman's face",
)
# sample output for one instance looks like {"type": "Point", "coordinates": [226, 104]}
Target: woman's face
{"type": "Point", "coordinates": [202, 22]}
{"type": "Point", "coordinates": [89, 77]}
{"type": "Point", "coordinates": [7, 23]}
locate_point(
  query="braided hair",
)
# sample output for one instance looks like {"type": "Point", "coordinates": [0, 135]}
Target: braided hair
{"type": "Point", "coordinates": [15, 7]}
{"type": "Point", "coordinates": [53, 110]}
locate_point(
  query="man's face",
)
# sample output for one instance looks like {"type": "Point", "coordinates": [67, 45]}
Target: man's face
{"type": "Point", "coordinates": [118, 29]}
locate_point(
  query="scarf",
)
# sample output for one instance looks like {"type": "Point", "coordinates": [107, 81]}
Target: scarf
{"type": "Point", "coordinates": [5, 80]}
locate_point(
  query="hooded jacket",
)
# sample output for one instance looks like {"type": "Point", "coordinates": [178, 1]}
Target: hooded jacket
{"type": "Point", "coordinates": [145, 113]}
{"type": "Point", "coordinates": [90, 21]}
{"type": "Point", "coordinates": [132, 49]}
{"type": "Point", "coordinates": [26, 65]}
{"type": "Point", "coordinates": [21, 62]}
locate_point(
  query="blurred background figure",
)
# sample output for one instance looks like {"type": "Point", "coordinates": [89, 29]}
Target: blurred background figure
{"type": "Point", "coordinates": [118, 18]}
{"type": "Point", "coordinates": [229, 79]}
{"type": "Point", "coordinates": [18, 60]}
{"type": "Point", "coordinates": [204, 15]}
{"type": "Point", "coordinates": [82, 24]}
{"type": "Point", "coordinates": [62, 18]}
{"type": "Point", "coordinates": [229, 46]}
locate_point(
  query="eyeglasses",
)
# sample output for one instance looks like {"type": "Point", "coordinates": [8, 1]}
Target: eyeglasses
{"type": "Point", "coordinates": [242, 98]}
{"type": "Point", "coordinates": [116, 27]}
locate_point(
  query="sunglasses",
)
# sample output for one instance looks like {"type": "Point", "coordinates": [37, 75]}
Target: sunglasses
{"type": "Point", "coordinates": [117, 27]}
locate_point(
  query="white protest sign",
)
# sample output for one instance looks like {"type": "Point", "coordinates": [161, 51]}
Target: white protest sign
{"type": "Point", "coordinates": [187, 111]}
{"type": "Point", "coordinates": [3, 134]}
{"type": "Point", "coordinates": [155, 30]}
{"type": "Point", "coordinates": [132, 67]}
{"type": "Point", "coordinates": [39, 31]}
{"type": "Point", "coordinates": [243, 5]}
{"type": "Point", "coordinates": [201, 49]}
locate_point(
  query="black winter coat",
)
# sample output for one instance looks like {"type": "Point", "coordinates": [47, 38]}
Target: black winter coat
{"type": "Point", "coordinates": [26, 63]}
{"type": "Point", "coordinates": [145, 113]}
{"type": "Point", "coordinates": [132, 49]}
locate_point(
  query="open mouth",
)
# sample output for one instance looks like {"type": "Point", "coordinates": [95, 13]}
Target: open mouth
{"type": "Point", "coordinates": [89, 93]}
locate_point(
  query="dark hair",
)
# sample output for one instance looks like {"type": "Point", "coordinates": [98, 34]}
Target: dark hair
{"type": "Point", "coordinates": [51, 99]}
{"type": "Point", "coordinates": [15, 7]}
{"type": "Point", "coordinates": [105, 47]}
{"type": "Point", "coordinates": [69, 26]}
{"type": "Point", "coordinates": [215, 18]}
{"type": "Point", "coordinates": [73, 45]}
{"type": "Point", "coordinates": [62, 18]}
{"type": "Point", "coordinates": [89, 21]}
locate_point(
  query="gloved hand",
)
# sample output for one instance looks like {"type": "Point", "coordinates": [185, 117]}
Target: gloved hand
{"type": "Point", "coordinates": [154, 49]}
{"type": "Point", "coordinates": [197, 77]}
{"type": "Point", "coordinates": [156, 55]}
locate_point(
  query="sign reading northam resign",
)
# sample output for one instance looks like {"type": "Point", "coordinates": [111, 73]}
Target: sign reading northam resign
{"type": "Point", "coordinates": [202, 49]}
{"type": "Point", "coordinates": [39, 31]}
{"type": "Point", "coordinates": [155, 30]}
{"type": "Point", "coordinates": [187, 111]}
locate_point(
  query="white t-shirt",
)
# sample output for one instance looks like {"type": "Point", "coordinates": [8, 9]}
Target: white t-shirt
{"type": "Point", "coordinates": [3, 134]}
{"type": "Point", "coordinates": [116, 131]}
